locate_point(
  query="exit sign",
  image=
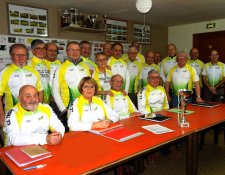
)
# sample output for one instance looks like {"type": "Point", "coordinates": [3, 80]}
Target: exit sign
{"type": "Point", "coordinates": [210, 25]}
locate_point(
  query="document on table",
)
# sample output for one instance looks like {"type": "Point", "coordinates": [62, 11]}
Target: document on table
{"type": "Point", "coordinates": [157, 129]}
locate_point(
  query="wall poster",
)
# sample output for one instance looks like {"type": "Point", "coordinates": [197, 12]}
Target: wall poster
{"type": "Point", "coordinates": [138, 33]}
{"type": "Point", "coordinates": [26, 20]}
{"type": "Point", "coordinates": [117, 30]}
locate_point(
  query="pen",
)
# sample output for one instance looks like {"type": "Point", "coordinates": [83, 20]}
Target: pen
{"type": "Point", "coordinates": [33, 167]}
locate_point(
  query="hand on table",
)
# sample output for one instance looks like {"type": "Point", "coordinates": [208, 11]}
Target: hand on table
{"type": "Point", "coordinates": [136, 114]}
{"type": "Point", "coordinates": [54, 138]}
{"type": "Point", "coordinates": [101, 124]}
{"type": "Point", "coordinates": [199, 100]}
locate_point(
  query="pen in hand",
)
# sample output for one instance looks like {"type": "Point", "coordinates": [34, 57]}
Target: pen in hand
{"type": "Point", "coordinates": [33, 167]}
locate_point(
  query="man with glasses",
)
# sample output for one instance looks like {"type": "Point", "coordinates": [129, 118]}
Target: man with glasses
{"type": "Point", "coordinates": [198, 65]}
{"type": "Point", "coordinates": [51, 63]}
{"type": "Point", "coordinates": [181, 76]}
{"type": "Point", "coordinates": [107, 50]}
{"type": "Point", "coordinates": [85, 52]}
{"type": "Point", "coordinates": [152, 98]}
{"type": "Point", "coordinates": [66, 79]}
{"type": "Point", "coordinates": [213, 76]}
{"type": "Point", "coordinates": [38, 49]}
{"type": "Point", "coordinates": [140, 58]}
{"type": "Point", "coordinates": [134, 68]}
{"type": "Point", "coordinates": [158, 58]}
{"type": "Point", "coordinates": [146, 67]}
{"type": "Point", "coordinates": [118, 66]}
{"type": "Point", "coordinates": [120, 103]}
{"type": "Point", "coordinates": [16, 75]}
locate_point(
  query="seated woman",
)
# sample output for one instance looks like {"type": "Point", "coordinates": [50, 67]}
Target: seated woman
{"type": "Point", "coordinates": [88, 112]}
{"type": "Point", "coordinates": [102, 75]}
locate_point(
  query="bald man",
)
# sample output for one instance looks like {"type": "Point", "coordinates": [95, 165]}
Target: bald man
{"type": "Point", "coordinates": [120, 103]}
{"type": "Point", "coordinates": [146, 67]}
{"type": "Point", "coordinates": [29, 121]}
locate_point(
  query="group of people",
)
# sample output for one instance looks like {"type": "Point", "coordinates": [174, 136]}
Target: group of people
{"type": "Point", "coordinates": [92, 94]}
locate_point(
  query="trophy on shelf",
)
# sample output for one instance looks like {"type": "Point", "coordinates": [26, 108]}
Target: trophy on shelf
{"type": "Point", "coordinates": [72, 16]}
{"type": "Point", "coordinates": [76, 17]}
{"type": "Point", "coordinates": [183, 93]}
{"type": "Point", "coordinates": [65, 18]}
{"type": "Point", "coordinates": [105, 16]}
{"type": "Point", "coordinates": [93, 20]}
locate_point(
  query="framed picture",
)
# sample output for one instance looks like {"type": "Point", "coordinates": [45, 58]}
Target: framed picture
{"type": "Point", "coordinates": [117, 30]}
{"type": "Point", "coordinates": [138, 35]}
{"type": "Point", "coordinates": [27, 20]}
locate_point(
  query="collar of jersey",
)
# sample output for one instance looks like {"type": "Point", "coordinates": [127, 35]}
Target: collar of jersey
{"type": "Point", "coordinates": [85, 59]}
{"type": "Point", "coordinates": [18, 105]}
{"type": "Point", "coordinates": [36, 58]}
{"type": "Point", "coordinates": [116, 59]}
{"type": "Point", "coordinates": [145, 64]}
{"type": "Point", "coordinates": [210, 63]}
{"type": "Point", "coordinates": [116, 92]}
{"type": "Point", "coordinates": [128, 60]}
{"type": "Point", "coordinates": [150, 87]}
{"type": "Point", "coordinates": [16, 67]}
{"type": "Point", "coordinates": [97, 70]}
{"type": "Point", "coordinates": [171, 58]}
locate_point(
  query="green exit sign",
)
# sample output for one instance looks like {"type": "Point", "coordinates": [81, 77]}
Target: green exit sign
{"type": "Point", "coordinates": [210, 25]}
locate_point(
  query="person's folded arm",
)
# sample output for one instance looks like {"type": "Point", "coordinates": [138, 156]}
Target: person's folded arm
{"type": "Point", "coordinates": [142, 102]}
{"type": "Point", "coordinates": [112, 115]}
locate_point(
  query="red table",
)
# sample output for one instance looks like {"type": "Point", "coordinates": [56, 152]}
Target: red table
{"type": "Point", "coordinates": [88, 153]}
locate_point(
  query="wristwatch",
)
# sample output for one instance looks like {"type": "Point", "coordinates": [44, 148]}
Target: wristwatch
{"type": "Point", "coordinates": [198, 96]}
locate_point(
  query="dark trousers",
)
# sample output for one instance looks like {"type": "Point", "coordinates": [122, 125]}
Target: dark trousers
{"type": "Point", "coordinates": [64, 121]}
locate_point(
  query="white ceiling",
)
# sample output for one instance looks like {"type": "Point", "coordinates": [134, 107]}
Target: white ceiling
{"type": "Point", "coordinates": [163, 12]}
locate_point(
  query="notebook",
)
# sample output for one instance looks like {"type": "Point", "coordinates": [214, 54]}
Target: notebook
{"type": "Point", "coordinates": [22, 159]}
{"type": "Point", "coordinates": [155, 118]}
{"type": "Point", "coordinates": [35, 151]}
{"type": "Point", "coordinates": [117, 132]}
{"type": "Point", "coordinates": [204, 104]}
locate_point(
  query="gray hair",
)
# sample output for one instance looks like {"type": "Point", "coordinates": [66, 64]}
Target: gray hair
{"type": "Point", "coordinates": [181, 52]}
{"type": "Point", "coordinates": [152, 71]}
{"type": "Point", "coordinates": [36, 42]}
{"type": "Point", "coordinates": [84, 42]}
{"type": "Point", "coordinates": [131, 49]}
{"type": "Point", "coordinates": [14, 46]}
{"type": "Point", "coordinates": [171, 45]}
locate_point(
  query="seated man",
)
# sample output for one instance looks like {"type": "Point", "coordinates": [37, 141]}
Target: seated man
{"type": "Point", "coordinates": [120, 103]}
{"type": "Point", "coordinates": [152, 98]}
{"type": "Point", "coordinates": [29, 121]}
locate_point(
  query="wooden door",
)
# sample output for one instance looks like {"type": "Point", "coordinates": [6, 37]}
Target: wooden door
{"type": "Point", "coordinates": [206, 42]}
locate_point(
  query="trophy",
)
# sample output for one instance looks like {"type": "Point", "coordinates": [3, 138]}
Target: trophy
{"type": "Point", "coordinates": [93, 20]}
{"type": "Point", "coordinates": [76, 17]}
{"type": "Point", "coordinates": [72, 16]}
{"type": "Point", "coordinates": [65, 15]}
{"type": "Point", "coordinates": [105, 16]}
{"type": "Point", "coordinates": [183, 93]}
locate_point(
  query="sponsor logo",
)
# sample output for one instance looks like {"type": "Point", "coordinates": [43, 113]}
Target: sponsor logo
{"type": "Point", "coordinates": [29, 75]}
{"type": "Point", "coordinates": [86, 110]}
{"type": "Point", "coordinates": [41, 118]}
{"type": "Point", "coordinates": [71, 69]}
{"type": "Point", "coordinates": [16, 75]}
{"type": "Point", "coordinates": [28, 121]}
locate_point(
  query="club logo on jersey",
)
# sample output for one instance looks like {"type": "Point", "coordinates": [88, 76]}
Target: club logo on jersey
{"type": "Point", "coordinates": [121, 66]}
{"type": "Point", "coordinates": [29, 75]}
{"type": "Point", "coordinates": [160, 93]}
{"type": "Point", "coordinates": [41, 118]}
{"type": "Point", "coordinates": [185, 71]}
{"type": "Point", "coordinates": [134, 66]}
{"type": "Point", "coordinates": [95, 109]}
{"type": "Point", "coordinates": [217, 67]}
{"type": "Point", "coordinates": [81, 69]}
{"type": "Point", "coordinates": [124, 99]}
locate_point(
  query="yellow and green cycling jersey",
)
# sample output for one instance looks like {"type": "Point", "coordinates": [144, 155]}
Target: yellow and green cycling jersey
{"type": "Point", "coordinates": [152, 99]}
{"type": "Point", "coordinates": [198, 65]}
{"type": "Point", "coordinates": [65, 83]}
{"type": "Point", "coordinates": [89, 63]}
{"type": "Point", "coordinates": [140, 58]}
{"type": "Point", "coordinates": [12, 78]}
{"type": "Point", "coordinates": [44, 75]}
{"type": "Point", "coordinates": [214, 73]}
{"type": "Point", "coordinates": [51, 66]}
{"type": "Point", "coordinates": [144, 73]}
{"type": "Point", "coordinates": [134, 70]}
{"type": "Point", "coordinates": [182, 78]}
{"type": "Point", "coordinates": [166, 64]}
{"type": "Point", "coordinates": [102, 79]}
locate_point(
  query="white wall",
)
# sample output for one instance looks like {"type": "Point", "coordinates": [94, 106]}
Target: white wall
{"type": "Point", "coordinates": [182, 36]}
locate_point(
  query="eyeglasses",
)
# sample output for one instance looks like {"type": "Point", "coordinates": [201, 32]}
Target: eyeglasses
{"type": "Point", "coordinates": [73, 50]}
{"type": "Point", "coordinates": [101, 60]}
{"type": "Point", "coordinates": [88, 48]}
{"type": "Point", "coordinates": [116, 81]}
{"type": "Point", "coordinates": [40, 49]}
{"type": "Point", "coordinates": [149, 57]}
{"type": "Point", "coordinates": [107, 48]}
{"type": "Point", "coordinates": [19, 55]}
{"type": "Point", "coordinates": [133, 53]}
{"type": "Point", "coordinates": [194, 52]}
{"type": "Point", "coordinates": [87, 87]}
{"type": "Point", "coordinates": [51, 50]}
{"type": "Point", "coordinates": [214, 55]}
{"type": "Point", "coordinates": [136, 46]}
{"type": "Point", "coordinates": [154, 78]}
{"type": "Point", "coordinates": [181, 57]}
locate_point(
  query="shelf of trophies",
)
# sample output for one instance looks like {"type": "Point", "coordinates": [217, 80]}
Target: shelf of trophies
{"type": "Point", "coordinates": [72, 20]}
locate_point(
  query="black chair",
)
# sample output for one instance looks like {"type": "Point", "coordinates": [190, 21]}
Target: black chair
{"type": "Point", "coordinates": [1, 141]}
{"type": "Point", "coordinates": [217, 128]}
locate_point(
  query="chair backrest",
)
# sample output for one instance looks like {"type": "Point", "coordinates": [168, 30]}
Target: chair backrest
{"type": "Point", "coordinates": [220, 97]}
